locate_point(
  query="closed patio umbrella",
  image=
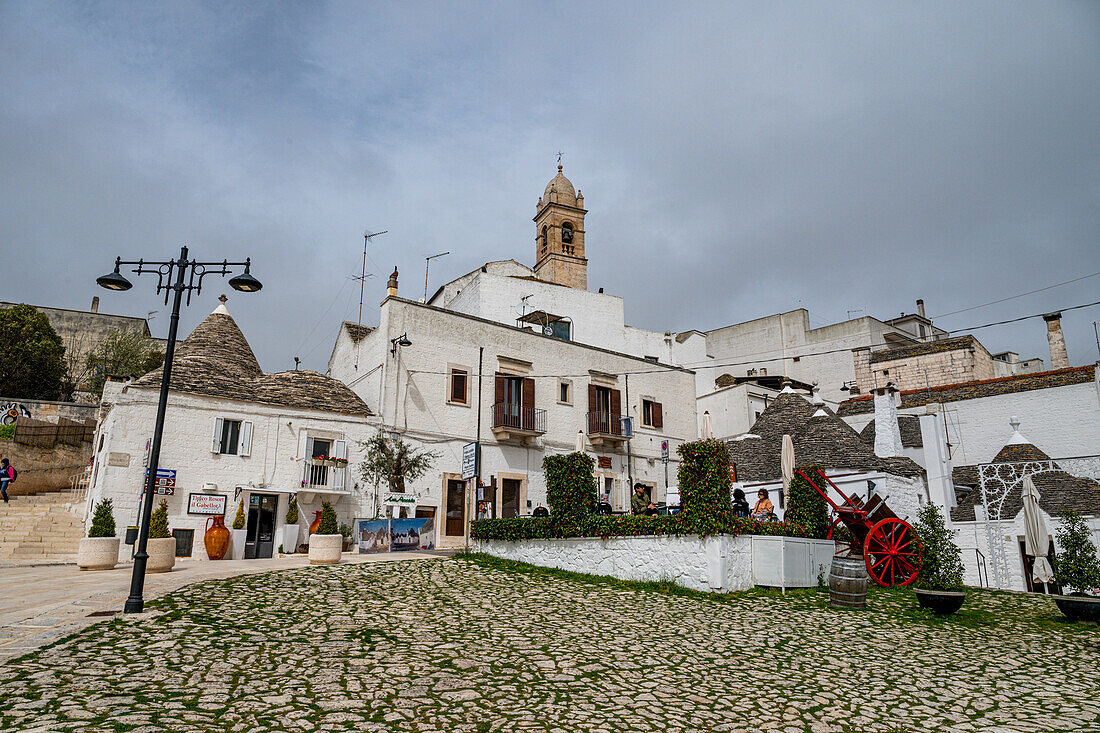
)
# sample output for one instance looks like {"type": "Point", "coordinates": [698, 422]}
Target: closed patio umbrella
{"type": "Point", "coordinates": [707, 432]}
{"type": "Point", "coordinates": [786, 463]}
{"type": "Point", "coordinates": [579, 447]}
{"type": "Point", "coordinates": [1036, 539]}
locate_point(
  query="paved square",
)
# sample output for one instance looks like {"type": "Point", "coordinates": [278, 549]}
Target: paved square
{"type": "Point", "coordinates": [452, 645]}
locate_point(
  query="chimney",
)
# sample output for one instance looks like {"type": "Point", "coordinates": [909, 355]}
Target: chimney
{"type": "Point", "coordinates": [391, 285]}
{"type": "Point", "coordinates": [1059, 359]}
{"type": "Point", "coordinates": [95, 304]}
{"type": "Point", "coordinates": [920, 307]}
{"type": "Point", "coordinates": [887, 432]}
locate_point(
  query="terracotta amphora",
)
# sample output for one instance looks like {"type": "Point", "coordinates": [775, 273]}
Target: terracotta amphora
{"type": "Point", "coordinates": [316, 522]}
{"type": "Point", "coordinates": [216, 538]}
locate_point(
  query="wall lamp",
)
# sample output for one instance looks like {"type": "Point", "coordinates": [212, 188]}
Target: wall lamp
{"type": "Point", "coordinates": [402, 340]}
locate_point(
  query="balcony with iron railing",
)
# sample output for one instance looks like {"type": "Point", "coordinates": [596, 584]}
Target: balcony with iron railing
{"type": "Point", "coordinates": [323, 475]}
{"type": "Point", "coordinates": [513, 421]}
{"type": "Point", "coordinates": [605, 428]}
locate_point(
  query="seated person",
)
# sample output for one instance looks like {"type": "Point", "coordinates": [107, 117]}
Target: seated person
{"type": "Point", "coordinates": [640, 503]}
{"type": "Point", "coordinates": [540, 511]}
{"type": "Point", "coordinates": [603, 506]}
{"type": "Point", "coordinates": [763, 510]}
{"type": "Point", "coordinates": [740, 504]}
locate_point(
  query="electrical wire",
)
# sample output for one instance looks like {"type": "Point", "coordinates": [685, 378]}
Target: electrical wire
{"type": "Point", "coordinates": [752, 362]}
{"type": "Point", "coordinates": [1013, 297]}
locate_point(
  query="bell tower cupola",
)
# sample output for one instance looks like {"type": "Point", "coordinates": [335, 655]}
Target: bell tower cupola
{"type": "Point", "coordinates": [559, 235]}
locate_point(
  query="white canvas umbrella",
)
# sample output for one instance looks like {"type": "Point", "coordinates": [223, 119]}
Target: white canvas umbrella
{"type": "Point", "coordinates": [1036, 539]}
{"type": "Point", "coordinates": [786, 464]}
{"type": "Point", "coordinates": [579, 447]}
{"type": "Point", "coordinates": [707, 432]}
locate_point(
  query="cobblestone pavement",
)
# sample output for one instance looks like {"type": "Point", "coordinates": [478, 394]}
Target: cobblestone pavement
{"type": "Point", "coordinates": [452, 645]}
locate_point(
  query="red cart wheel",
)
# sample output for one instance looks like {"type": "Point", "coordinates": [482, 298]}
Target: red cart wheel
{"type": "Point", "coordinates": [832, 526]}
{"type": "Point", "coordinates": [892, 553]}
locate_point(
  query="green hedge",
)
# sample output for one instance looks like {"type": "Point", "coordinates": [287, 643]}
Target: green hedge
{"type": "Point", "coordinates": [529, 528]}
{"type": "Point", "coordinates": [705, 478]}
{"type": "Point", "coordinates": [570, 487]}
{"type": "Point", "coordinates": [807, 507]}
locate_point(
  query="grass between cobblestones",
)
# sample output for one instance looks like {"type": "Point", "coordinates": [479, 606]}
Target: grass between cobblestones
{"type": "Point", "coordinates": [479, 644]}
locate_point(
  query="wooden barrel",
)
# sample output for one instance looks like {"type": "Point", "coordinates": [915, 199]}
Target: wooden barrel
{"type": "Point", "coordinates": [848, 582]}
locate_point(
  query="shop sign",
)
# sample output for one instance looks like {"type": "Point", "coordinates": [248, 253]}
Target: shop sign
{"type": "Point", "coordinates": [166, 481]}
{"type": "Point", "coordinates": [206, 504]}
{"type": "Point", "coordinates": [469, 461]}
{"type": "Point", "coordinates": [405, 500]}
{"type": "Point", "coordinates": [604, 461]}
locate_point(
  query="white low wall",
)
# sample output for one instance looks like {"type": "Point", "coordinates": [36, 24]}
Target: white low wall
{"type": "Point", "coordinates": [719, 563]}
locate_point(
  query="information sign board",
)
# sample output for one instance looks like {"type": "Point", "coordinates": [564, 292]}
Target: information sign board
{"type": "Point", "coordinates": [206, 504]}
{"type": "Point", "coordinates": [469, 461]}
{"type": "Point", "coordinates": [166, 481]}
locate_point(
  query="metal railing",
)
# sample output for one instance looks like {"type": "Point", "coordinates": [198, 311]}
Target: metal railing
{"type": "Point", "coordinates": [605, 423]}
{"type": "Point", "coordinates": [979, 560]}
{"type": "Point", "coordinates": [519, 417]}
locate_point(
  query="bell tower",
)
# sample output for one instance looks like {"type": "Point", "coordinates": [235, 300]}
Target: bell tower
{"type": "Point", "coordinates": [559, 235]}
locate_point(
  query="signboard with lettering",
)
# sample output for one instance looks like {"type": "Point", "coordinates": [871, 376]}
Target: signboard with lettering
{"type": "Point", "coordinates": [604, 461]}
{"type": "Point", "coordinates": [166, 482]}
{"type": "Point", "coordinates": [405, 500]}
{"type": "Point", "coordinates": [469, 461]}
{"type": "Point", "coordinates": [206, 504]}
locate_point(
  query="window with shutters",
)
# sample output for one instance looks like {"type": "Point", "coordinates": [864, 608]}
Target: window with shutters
{"type": "Point", "coordinates": [604, 410]}
{"type": "Point", "coordinates": [652, 414]}
{"type": "Point", "coordinates": [514, 406]}
{"type": "Point", "coordinates": [232, 437]}
{"type": "Point", "coordinates": [458, 386]}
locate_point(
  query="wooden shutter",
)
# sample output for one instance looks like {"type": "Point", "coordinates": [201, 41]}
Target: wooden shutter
{"type": "Point", "coordinates": [616, 411]}
{"type": "Point", "coordinates": [593, 399]}
{"type": "Point", "coordinates": [307, 462]}
{"type": "Point", "coordinates": [499, 393]}
{"type": "Point", "coordinates": [658, 415]}
{"type": "Point", "coordinates": [340, 450]}
{"type": "Point", "coordinates": [244, 442]}
{"type": "Point", "coordinates": [216, 440]}
{"type": "Point", "coordinates": [527, 404]}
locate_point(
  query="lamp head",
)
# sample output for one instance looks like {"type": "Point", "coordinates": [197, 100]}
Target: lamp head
{"type": "Point", "coordinates": [114, 280]}
{"type": "Point", "coordinates": [245, 282]}
{"type": "Point", "coordinates": [404, 341]}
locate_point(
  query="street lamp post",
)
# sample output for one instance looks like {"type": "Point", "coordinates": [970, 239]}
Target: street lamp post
{"type": "Point", "coordinates": [174, 277]}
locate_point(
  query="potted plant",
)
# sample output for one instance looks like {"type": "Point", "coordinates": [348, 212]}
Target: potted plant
{"type": "Point", "coordinates": [1076, 567]}
{"type": "Point", "coordinates": [290, 529]}
{"type": "Point", "coordinates": [99, 550]}
{"type": "Point", "coordinates": [939, 585]}
{"type": "Point", "coordinates": [326, 545]}
{"type": "Point", "coordinates": [345, 532]}
{"type": "Point", "coordinates": [162, 545]}
{"type": "Point", "coordinates": [239, 532]}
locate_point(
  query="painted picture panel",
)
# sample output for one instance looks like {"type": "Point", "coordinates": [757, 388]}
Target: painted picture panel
{"type": "Point", "coordinates": [373, 535]}
{"type": "Point", "coordinates": [412, 534]}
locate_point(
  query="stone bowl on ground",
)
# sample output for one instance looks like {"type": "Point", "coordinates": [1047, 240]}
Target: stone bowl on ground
{"type": "Point", "coordinates": [325, 549]}
{"type": "Point", "coordinates": [1079, 608]}
{"type": "Point", "coordinates": [940, 602]}
{"type": "Point", "coordinates": [97, 553]}
{"type": "Point", "coordinates": [162, 555]}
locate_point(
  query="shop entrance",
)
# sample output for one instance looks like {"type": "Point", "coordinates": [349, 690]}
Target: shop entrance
{"type": "Point", "coordinates": [456, 508]}
{"type": "Point", "coordinates": [260, 530]}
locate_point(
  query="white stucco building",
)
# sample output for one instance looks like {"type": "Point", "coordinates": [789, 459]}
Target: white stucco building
{"type": "Point", "coordinates": [232, 434]}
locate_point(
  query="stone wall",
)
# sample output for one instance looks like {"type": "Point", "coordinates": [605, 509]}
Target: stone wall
{"type": "Point", "coordinates": [45, 469]}
{"type": "Point", "coordinates": [49, 410]}
{"type": "Point", "coordinates": [718, 563]}
{"type": "Point", "coordinates": [950, 366]}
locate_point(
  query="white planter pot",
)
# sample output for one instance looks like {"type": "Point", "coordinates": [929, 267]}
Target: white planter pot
{"type": "Point", "coordinates": [291, 533]}
{"type": "Point", "coordinates": [97, 553]}
{"type": "Point", "coordinates": [237, 543]}
{"type": "Point", "coordinates": [162, 555]}
{"type": "Point", "coordinates": [325, 549]}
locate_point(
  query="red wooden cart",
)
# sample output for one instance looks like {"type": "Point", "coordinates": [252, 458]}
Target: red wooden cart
{"type": "Point", "coordinates": [889, 546]}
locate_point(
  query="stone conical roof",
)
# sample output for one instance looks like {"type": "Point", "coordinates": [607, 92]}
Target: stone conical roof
{"type": "Point", "coordinates": [215, 360]}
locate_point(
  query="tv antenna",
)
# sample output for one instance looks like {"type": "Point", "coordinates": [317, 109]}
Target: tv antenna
{"type": "Point", "coordinates": [362, 277]}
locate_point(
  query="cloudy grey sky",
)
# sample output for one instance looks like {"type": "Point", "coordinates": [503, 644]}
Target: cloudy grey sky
{"type": "Point", "coordinates": [737, 159]}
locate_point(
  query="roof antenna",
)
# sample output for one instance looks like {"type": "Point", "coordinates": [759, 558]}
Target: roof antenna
{"type": "Point", "coordinates": [297, 361]}
{"type": "Point", "coordinates": [367, 236]}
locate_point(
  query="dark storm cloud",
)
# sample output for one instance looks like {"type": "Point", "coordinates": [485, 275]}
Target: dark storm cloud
{"type": "Point", "coordinates": [737, 161]}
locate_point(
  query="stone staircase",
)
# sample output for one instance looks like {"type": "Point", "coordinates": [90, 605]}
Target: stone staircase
{"type": "Point", "coordinates": [41, 528]}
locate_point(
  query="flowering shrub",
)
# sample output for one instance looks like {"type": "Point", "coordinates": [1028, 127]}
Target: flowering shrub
{"type": "Point", "coordinates": [807, 507]}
